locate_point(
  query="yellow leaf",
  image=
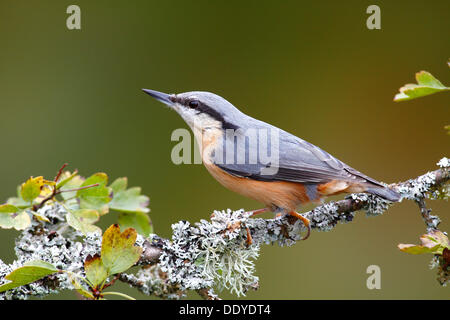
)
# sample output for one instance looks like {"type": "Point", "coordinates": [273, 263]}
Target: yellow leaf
{"type": "Point", "coordinates": [118, 250]}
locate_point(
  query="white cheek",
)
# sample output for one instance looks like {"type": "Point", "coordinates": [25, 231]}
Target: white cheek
{"type": "Point", "coordinates": [196, 121]}
{"type": "Point", "coordinates": [186, 114]}
{"type": "Point", "coordinates": [205, 121]}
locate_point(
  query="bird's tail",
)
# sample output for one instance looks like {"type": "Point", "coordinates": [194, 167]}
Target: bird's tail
{"type": "Point", "coordinates": [384, 192]}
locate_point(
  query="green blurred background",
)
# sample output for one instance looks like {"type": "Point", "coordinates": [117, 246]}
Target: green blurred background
{"type": "Point", "coordinates": [311, 68]}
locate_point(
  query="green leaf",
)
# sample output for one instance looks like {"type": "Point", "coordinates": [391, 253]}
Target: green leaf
{"type": "Point", "coordinates": [83, 220]}
{"type": "Point", "coordinates": [98, 197]}
{"type": "Point", "coordinates": [18, 201]}
{"type": "Point", "coordinates": [40, 216]}
{"type": "Point", "coordinates": [71, 181]}
{"type": "Point", "coordinates": [79, 288]}
{"type": "Point", "coordinates": [433, 242]}
{"type": "Point", "coordinates": [31, 189]}
{"type": "Point", "coordinates": [120, 184]}
{"type": "Point", "coordinates": [426, 85]}
{"type": "Point", "coordinates": [129, 200]}
{"type": "Point", "coordinates": [12, 217]}
{"type": "Point", "coordinates": [95, 271]}
{"type": "Point", "coordinates": [65, 178]}
{"type": "Point", "coordinates": [118, 250]}
{"type": "Point", "coordinates": [137, 220]}
{"type": "Point", "coordinates": [30, 272]}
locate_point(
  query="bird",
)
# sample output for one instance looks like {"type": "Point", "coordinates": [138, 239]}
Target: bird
{"type": "Point", "coordinates": [301, 172]}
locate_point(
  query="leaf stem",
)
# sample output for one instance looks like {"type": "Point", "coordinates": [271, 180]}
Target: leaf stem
{"type": "Point", "coordinates": [77, 189]}
{"type": "Point", "coordinates": [56, 191]}
{"type": "Point", "coordinates": [118, 294]}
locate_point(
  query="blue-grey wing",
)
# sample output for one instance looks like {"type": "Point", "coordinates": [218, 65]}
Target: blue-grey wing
{"type": "Point", "coordinates": [296, 161]}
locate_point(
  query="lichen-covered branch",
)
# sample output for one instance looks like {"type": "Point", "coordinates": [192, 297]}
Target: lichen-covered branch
{"type": "Point", "coordinates": [205, 255]}
{"type": "Point", "coordinates": [215, 253]}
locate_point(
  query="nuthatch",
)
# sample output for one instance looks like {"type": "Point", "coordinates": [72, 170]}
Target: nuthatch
{"type": "Point", "coordinates": [303, 172]}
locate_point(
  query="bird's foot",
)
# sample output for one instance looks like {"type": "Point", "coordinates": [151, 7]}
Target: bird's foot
{"type": "Point", "coordinates": [305, 222]}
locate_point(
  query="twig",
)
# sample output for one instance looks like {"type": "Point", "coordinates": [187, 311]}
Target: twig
{"type": "Point", "coordinates": [60, 172]}
{"type": "Point", "coordinates": [111, 282]}
{"type": "Point", "coordinates": [430, 220]}
{"type": "Point", "coordinates": [56, 191]}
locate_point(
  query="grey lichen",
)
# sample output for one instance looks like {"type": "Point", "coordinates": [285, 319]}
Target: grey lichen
{"type": "Point", "coordinates": [425, 186]}
{"type": "Point", "coordinates": [373, 205]}
{"type": "Point", "coordinates": [219, 253]}
{"type": "Point", "coordinates": [211, 254]}
{"type": "Point", "coordinates": [153, 281]}
{"type": "Point", "coordinates": [415, 189]}
{"type": "Point", "coordinates": [41, 242]}
{"type": "Point", "coordinates": [444, 163]}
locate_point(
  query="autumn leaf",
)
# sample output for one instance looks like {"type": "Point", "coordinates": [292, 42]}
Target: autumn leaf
{"type": "Point", "coordinates": [96, 272]}
{"type": "Point", "coordinates": [118, 250]}
{"type": "Point", "coordinates": [31, 189]}
{"type": "Point", "coordinates": [433, 242]}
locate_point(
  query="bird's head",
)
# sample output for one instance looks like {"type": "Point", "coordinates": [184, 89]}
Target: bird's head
{"type": "Point", "coordinates": [201, 110]}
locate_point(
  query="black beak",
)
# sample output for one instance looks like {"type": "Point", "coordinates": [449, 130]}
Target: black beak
{"type": "Point", "coordinates": [162, 97]}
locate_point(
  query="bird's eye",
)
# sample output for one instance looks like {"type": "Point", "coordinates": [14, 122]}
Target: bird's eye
{"type": "Point", "coordinates": [194, 104]}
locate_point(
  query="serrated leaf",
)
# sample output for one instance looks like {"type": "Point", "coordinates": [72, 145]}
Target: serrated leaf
{"type": "Point", "coordinates": [426, 85]}
{"type": "Point", "coordinates": [31, 189]}
{"type": "Point", "coordinates": [98, 197]}
{"type": "Point", "coordinates": [83, 220]}
{"type": "Point", "coordinates": [30, 272]}
{"type": "Point", "coordinates": [118, 250]}
{"type": "Point", "coordinates": [136, 220]}
{"type": "Point", "coordinates": [13, 217]}
{"type": "Point", "coordinates": [433, 242]}
{"type": "Point", "coordinates": [95, 271]}
{"type": "Point", "coordinates": [129, 200]}
{"type": "Point", "coordinates": [120, 184]}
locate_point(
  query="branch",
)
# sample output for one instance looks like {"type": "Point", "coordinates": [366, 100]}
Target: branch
{"type": "Point", "coordinates": [216, 252]}
{"type": "Point", "coordinates": [205, 255]}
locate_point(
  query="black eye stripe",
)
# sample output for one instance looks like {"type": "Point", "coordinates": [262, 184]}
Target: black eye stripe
{"type": "Point", "coordinates": [201, 107]}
